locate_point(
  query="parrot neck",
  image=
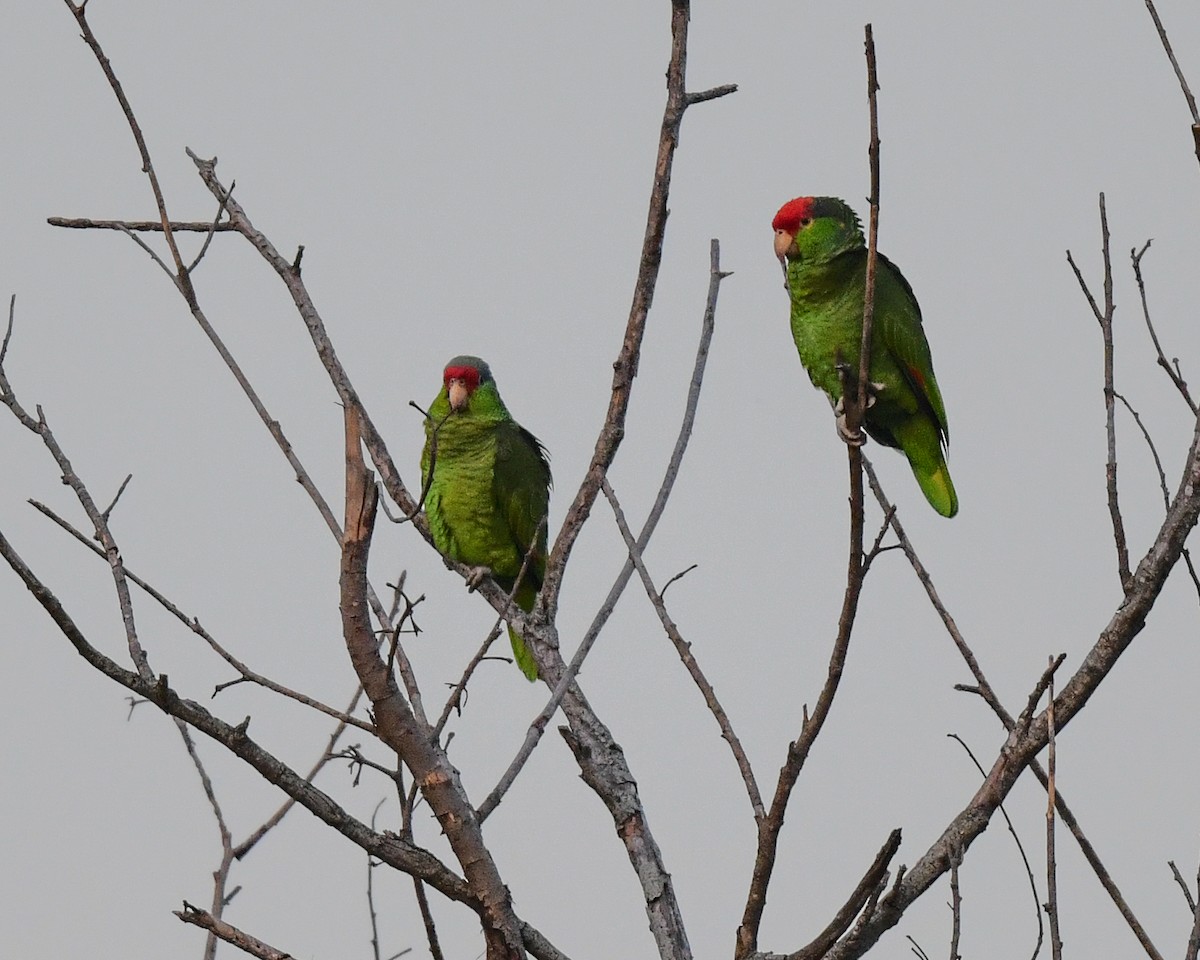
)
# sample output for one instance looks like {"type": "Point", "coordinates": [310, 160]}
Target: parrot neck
{"type": "Point", "coordinates": [822, 280]}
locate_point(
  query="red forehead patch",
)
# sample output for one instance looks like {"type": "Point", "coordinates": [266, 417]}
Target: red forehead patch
{"type": "Point", "coordinates": [791, 213]}
{"type": "Point", "coordinates": [468, 375]}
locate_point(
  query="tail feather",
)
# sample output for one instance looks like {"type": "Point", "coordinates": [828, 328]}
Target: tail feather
{"type": "Point", "coordinates": [937, 487]}
{"type": "Point", "coordinates": [523, 657]}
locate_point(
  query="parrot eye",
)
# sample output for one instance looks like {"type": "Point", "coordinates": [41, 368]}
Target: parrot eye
{"type": "Point", "coordinates": [804, 222]}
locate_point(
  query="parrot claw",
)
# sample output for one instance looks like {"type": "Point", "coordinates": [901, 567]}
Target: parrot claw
{"type": "Point", "coordinates": [476, 576]}
{"type": "Point", "coordinates": [855, 438]}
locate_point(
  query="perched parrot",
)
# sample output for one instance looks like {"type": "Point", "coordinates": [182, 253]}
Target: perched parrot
{"type": "Point", "coordinates": [820, 245]}
{"type": "Point", "coordinates": [490, 487]}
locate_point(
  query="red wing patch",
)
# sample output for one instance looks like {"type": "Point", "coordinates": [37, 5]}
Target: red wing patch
{"type": "Point", "coordinates": [918, 377]}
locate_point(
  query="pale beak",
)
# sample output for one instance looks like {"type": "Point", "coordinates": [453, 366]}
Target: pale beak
{"type": "Point", "coordinates": [458, 393]}
{"type": "Point", "coordinates": [783, 243]}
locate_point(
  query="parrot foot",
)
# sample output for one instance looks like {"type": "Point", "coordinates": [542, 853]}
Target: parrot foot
{"type": "Point", "coordinates": [476, 576]}
{"type": "Point", "coordinates": [855, 438]}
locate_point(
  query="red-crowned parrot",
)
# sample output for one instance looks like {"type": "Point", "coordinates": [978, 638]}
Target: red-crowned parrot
{"type": "Point", "coordinates": [820, 244]}
{"type": "Point", "coordinates": [490, 488]}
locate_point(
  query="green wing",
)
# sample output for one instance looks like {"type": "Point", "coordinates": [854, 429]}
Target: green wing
{"type": "Point", "coordinates": [898, 326]}
{"type": "Point", "coordinates": [521, 488]}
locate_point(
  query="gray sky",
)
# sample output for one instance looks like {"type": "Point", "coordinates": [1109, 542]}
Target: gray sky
{"type": "Point", "coordinates": [474, 178]}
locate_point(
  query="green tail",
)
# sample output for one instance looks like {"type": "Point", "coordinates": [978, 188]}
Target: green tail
{"type": "Point", "coordinates": [525, 597]}
{"type": "Point", "coordinates": [523, 657]}
{"type": "Point", "coordinates": [937, 487]}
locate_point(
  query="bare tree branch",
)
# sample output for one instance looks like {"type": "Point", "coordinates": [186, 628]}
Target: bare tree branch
{"type": "Point", "coordinates": [538, 726]}
{"type": "Point", "coordinates": [1051, 865]}
{"type": "Point", "coordinates": [221, 874]}
{"type": "Point", "coordinates": [8, 330]}
{"type": "Point", "coordinates": [99, 523]}
{"type": "Point", "coordinates": [1171, 370]}
{"type": "Point", "coordinates": [1187, 93]}
{"type": "Point", "coordinates": [1019, 751]}
{"type": "Point", "coordinates": [230, 934]}
{"type": "Point", "coordinates": [193, 624]}
{"type": "Point", "coordinates": [141, 226]}
{"type": "Point", "coordinates": [955, 905]}
{"type": "Point", "coordinates": [248, 844]}
{"type": "Point", "coordinates": [625, 366]}
{"type": "Point", "coordinates": [797, 752]}
{"type": "Point", "coordinates": [683, 648]}
{"type": "Point", "coordinates": [1105, 319]}
{"type": "Point", "coordinates": [876, 875]}
{"type": "Point", "coordinates": [984, 689]}
{"type": "Point", "coordinates": [1193, 944]}
{"type": "Point", "coordinates": [389, 848]}
{"type": "Point", "coordinates": [181, 274]}
{"type": "Point", "coordinates": [396, 724]}
{"type": "Point", "coordinates": [182, 280]}
{"type": "Point", "coordinates": [1037, 907]}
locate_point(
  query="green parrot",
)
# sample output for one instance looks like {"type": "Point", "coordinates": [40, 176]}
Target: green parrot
{"type": "Point", "coordinates": [490, 488]}
{"type": "Point", "coordinates": [820, 245]}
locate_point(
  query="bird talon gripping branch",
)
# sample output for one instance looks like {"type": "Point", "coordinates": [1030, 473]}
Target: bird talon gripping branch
{"type": "Point", "coordinates": [476, 576]}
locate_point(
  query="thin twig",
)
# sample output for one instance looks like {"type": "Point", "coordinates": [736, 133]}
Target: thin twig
{"type": "Point", "coordinates": [141, 226]}
{"type": "Point", "coordinates": [371, 863]}
{"type": "Point", "coordinates": [89, 38]}
{"type": "Point", "coordinates": [1037, 907]}
{"type": "Point", "coordinates": [230, 934]}
{"type": "Point", "coordinates": [1162, 483]}
{"type": "Point", "coordinates": [8, 330]}
{"type": "Point", "coordinates": [916, 948]}
{"type": "Point", "coordinates": [1172, 371]}
{"type": "Point", "coordinates": [1051, 865]}
{"type": "Point", "coordinates": [1021, 727]}
{"type": "Point", "coordinates": [1187, 93]}
{"type": "Point", "coordinates": [955, 905]}
{"type": "Point", "coordinates": [1105, 319]}
{"type": "Point", "coordinates": [99, 523]}
{"type": "Point", "coordinates": [213, 228]}
{"type": "Point", "coordinates": [221, 874]}
{"type": "Point", "coordinates": [1187, 893]}
{"type": "Point", "coordinates": [871, 881]}
{"type": "Point", "coordinates": [240, 850]}
{"type": "Point", "coordinates": [107, 511]}
{"type": "Point", "coordinates": [455, 699]}
{"type": "Point", "coordinates": [406, 832]}
{"type": "Point", "coordinates": [683, 648]}
{"type": "Point", "coordinates": [864, 356]}
{"type": "Point", "coordinates": [1193, 944]}
{"type": "Point", "coordinates": [193, 624]}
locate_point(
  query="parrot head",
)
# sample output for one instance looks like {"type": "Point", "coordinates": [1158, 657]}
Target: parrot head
{"type": "Point", "coordinates": [462, 377]}
{"type": "Point", "coordinates": [814, 228]}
